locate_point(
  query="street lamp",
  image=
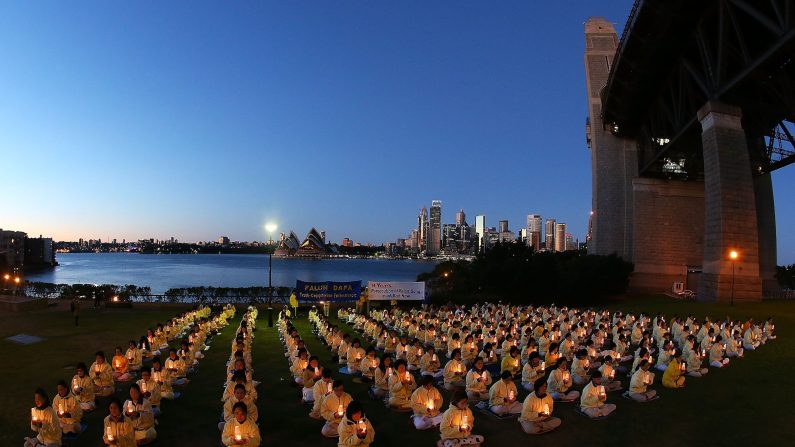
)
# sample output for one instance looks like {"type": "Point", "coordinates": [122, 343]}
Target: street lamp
{"type": "Point", "coordinates": [733, 255]}
{"type": "Point", "coordinates": [270, 228]}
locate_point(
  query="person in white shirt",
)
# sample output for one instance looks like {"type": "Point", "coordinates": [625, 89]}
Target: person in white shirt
{"type": "Point", "coordinates": [536, 417]}
{"type": "Point", "coordinates": [503, 396]}
{"type": "Point", "coordinates": [638, 386]}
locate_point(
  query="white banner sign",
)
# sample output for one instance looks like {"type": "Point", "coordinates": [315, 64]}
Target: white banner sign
{"type": "Point", "coordinates": [388, 291]}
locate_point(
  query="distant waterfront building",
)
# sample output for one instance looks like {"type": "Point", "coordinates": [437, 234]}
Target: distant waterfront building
{"type": "Point", "coordinates": [571, 243]}
{"type": "Point", "coordinates": [523, 235]}
{"type": "Point", "coordinates": [347, 242]}
{"type": "Point", "coordinates": [460, 218]}
{"type": "Point", "coordinates": [534, 229]}
{"type": "Point", "coordinates": [504, 226]}
{"type": "Point", "coordinates": [314, 245]}
{"type": "Point", "coordinates": [39, 253]}
{"type": "Point", "coordinates": [435, 229]}
{"type": "Point", "coordinates": [480, 231]}
{"type": "Point", "coordinates": [223, 240]}
{"type": "Point", "coordinates": [560, 237]}
{"type": "Point", "coordinates": [549, 237]}
{"type": "Point", "coordinates": [12, 250]}
{"type": "Point", "coordinates": [287, 245]}
{"type": "Point", "coordinates": [422, 229]}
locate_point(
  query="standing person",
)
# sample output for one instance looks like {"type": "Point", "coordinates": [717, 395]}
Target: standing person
{"type": "Point", "coordinates": [43, 421]}
{"type": "Point", "coordinates": [75, 308]}
{"type": "Point", "coordinates": [457, 422]}
{"type": "Point", "coordinates": [536, 417]}
{"type": "Point", "coordinates": [355, 429]}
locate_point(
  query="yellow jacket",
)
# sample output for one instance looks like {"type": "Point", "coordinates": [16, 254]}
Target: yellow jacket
{"type": "Point", "coordinates": [558, 381]}
{"type": "Point", "coordinates": [369, 365]}
{"type": "Point", "coordinates": [420, 399]}
{"type": "Point", "coordinates": [50, 430]}
{"type": "Point", "coordinates": [251, 407]}
{"type": "Point", "coordinates": [348, 436]}
{"type": "Point", "coordinates": [638, 383]}
{"type": "Point", "coordinates": [501, 392]}
{"type": "Point", "coordinates": [85, 386]}
{"type": "Point", "coordinates": [716, 353]}
{"type": "Point", "coordinates": [428, 363]}
{"type": "Point", "coordinates": [451, 368]}
{"type": "Point", "coordinates": [68, 404]}
{"type": "Point", "coordinates": [248, 430]}
{"type": "Point", "coordinates": [121, 430]}
{"type": "Point", "coordinates": [330, 407]}
{"type": "Point", "coordinates": [510, 364]}
{"type": "Point", "coordinates": [590, 397]}
{"type": "Point", "coordinates": [672, 377]}
{"type": "Point", "coordinates": [472, 381]}
{"type": "Point", "coordinates": [101, 374]}
{"type": "Point", "coordinates": [399, 392]}
{"type": "Point", "coordinates": [453, 419]}
{"type": "Point", "coordinates": [382, 378]}
{"type": "Point", "coordinates": [145, 419]}
{"type": "Point", "coordinates": [530, 374]}
{"type": "Point", "coordinates": [536, 408]}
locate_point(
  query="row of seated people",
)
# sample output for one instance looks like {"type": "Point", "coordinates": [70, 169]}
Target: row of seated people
{"type": "Point", "coordinates": [239, 418]}
{"type": "Point", "coordinates": [63, 417]}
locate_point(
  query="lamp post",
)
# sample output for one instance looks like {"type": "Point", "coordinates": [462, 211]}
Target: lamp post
{"type": "Point", "coordinates": [270, 228]}
{"type": "Point", "coordinates": [733, 255]}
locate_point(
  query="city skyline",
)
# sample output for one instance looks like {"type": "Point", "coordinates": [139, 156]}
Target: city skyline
{"type": "Point", "coordinates": [343, 116]}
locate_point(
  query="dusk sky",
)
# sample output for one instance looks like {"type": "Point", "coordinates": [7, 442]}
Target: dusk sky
{"type": "Point", "coordinates": [200, 119]}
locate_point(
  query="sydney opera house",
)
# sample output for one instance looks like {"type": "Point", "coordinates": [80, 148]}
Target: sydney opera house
{"type": "Point", "coordinates": [313, 246]}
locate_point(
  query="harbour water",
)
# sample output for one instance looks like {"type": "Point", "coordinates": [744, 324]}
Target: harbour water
{"type": "Point", "coordinates": [161, 272]}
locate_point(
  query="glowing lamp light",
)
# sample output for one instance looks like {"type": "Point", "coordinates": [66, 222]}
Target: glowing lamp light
{"type": "Point", "coordinates": [270, 227]}
{"type": "Point", "coordinates": [733, 255]}
{"type": "Point", "coordinates": [6, 276]}
{"type": "Point", "coordinates": [16, 280]}
{"type": "Point", "coordinates": [116, 298]}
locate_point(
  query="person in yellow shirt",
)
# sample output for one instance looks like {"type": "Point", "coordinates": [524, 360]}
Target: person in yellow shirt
{"type": "Point", "coordinates": [117, 430]}
{"type": "Point", "coordinates": [694, 360]}
{"type": "Point", "coordinates": [139, 412]}
{"type": "Point", "coordinates": [641, 380]}
{"type": "Point", "coordinates": [503, 396]}
{"type": "Point", "coordinates": [608, 375]}
{"type": "Point", "coordinates": [322, 388]}
{"type": "Point", "coordinates": [102, 375]}
{"type": "Point", "coordinates": [536, 417]}
{"type": "Point", "coordinates": [355, 429]}
{"type": "Point", "coordinates": [457, 423]}
{"type": "Point", "coordinates": [134, 356]}
{"type": "Point", "coordinates": [68, 409]}
{"type": "Point", "coordinates": [83, 388]}
{"type": "Point", "coordinates": [369, 365]}
{"type": "Point", "coordinates": [312, 373]}
{"type": "Point", "coordinates": [716, 358]}
{"type": "Point", "coordinates": [594, 397]}
{"type": "Point", "coordinates": [511, 362]}
{"type": "Point", "coordinates": [44, 422]}
{"type": "Point", "coordinates": [426, 401]}
{"type": "Point", "coordinates": [430, 364]}
{"type": "Point", "coordinates": [121, 372]}
{"type": "Point", "coordinates": [454, 372]}
{"type": "Point", "coordinates": [401, 385]}
{"type": "Point", "coordinates": [241, 431]}
{"type": "Point", "coordinates": [532, 371]}
{"type": "Point", "coordinates": [150, 389]}
{"type": "Point", "coordinates": [580, 368]}
{"type": "Point", "coordinates": [333, 409]}
{"type": "Point", "coordinates": [552, 354]}
{"type": "Point", "coordinates": [673, 377]}
{"type": "Point", "coordinates": [559, 382]}
{"type": "Point", "coordinates": [354, 358]}
{"type": "Point", "coordinates": [385, 369]}
{"type": "Point", "coordinates": [478, 380]}
{"type": "Point", "coordinates": [229, 407]}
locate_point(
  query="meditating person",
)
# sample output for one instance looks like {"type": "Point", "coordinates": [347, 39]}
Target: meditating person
{"type": "Point", "coordinates": [68, 408]}
{"type": "Point", "coordinates": [694, 361]}
{"type": "Point", "coordinates": [769, 330]}
{"type": "Point", "coordinates": [609, 374]}
{"type": "Point", "coordinates": [354, 355]}
{"type": "Point", "coordinates": [121, 371]}
{"type": "Point", "coordinates": [559, 382]}
{"type": "Point", "coordinates": [163, 379]}
{"type": "Point", "coordinates": [750, 342]}
{"type": "Point", "coordinates": [673, 377]}
{"type": "Point", "coordinates": [117, 430]}
{"type": "Point", "coordinates": [454, 372]}
{"type": "Point", "coordinates": [416, 352]}
{"type": "Point", "coordinates": [44, 422]}
{"type": "Point", "coordinates": [355, 429]}
{"type": "Point", "coordinates": [426, 401]}
{"type": "Point", "coordinates": [312, 373]}
{"type": "Point", "coordinates": [469, 350]}
{"type": "Point", "coordinates": [716, 358]}
{"type": "Point", "coordinates": [457, 423]}
{"type": "Point", "coordinates": [536, 417]}
{"type": "Point", "coordinates": [139, 411]}
{"type": "Point", "coordinates": [369, 364]}
{"type": "Point", "coordinates": [102, 375]}
{"type": "Point", "coordinates": [430, 364]}
{"type": "Point", "coordinates": [83, 387]}
{"type": "Point", "coordinates": [532, 371]}
{"type": "Point", "coordinates": [342, 351]}
{"type": "Point", "coordinates": [241, 430]}
{"type": "Point", "coordinates": [666, 352]}
{"type": "Point", "coordinates": [401, 385]}
{"type": "Point", "coordinates": [552, 354]}
{"type": "Point", "coordinates": [333, 409]}
{"type": "Point", "coordinates": [478, 381]}
{"type": "Point", "coordinates": [503, 396]}
{"type": "Point", "coordinates": [511, 362]}
{"type": "Point", "coordinates": [641, 380]}
{"type": "Point", "coordinates": [734, 345]}
{"type": "Point", "coordinates": [134, 356]}
{"type": "Point", "coordinates": [594, 397]}
{"type": "Point", "coordinates": [580, 367]}
{"type": "Point", "coordinates": [150, 389]}
{"type": "Point", "coordinates": [229, 406]}
{"type": "Point", "coordinates": [322, 388]}
{"type": "Point", "coordinates": [385, 369]}
{"type": "Point", "coordinates": [176, 368]}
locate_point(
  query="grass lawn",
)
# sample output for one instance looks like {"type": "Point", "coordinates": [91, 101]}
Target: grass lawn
{"type": "Point", "coordinates": [747, 402]}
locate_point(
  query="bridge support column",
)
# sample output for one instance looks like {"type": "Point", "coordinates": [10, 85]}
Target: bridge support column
{"type": "Point", "coordinates": [766, 219]}
{"type": "Point", "coordinates": [730, 209]}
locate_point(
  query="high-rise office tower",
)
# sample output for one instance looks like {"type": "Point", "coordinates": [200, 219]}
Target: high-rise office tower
{"type": "Point", "coordinates": [422, 228]}
{"type": "Point", "coordinates": [560, 237]}
{"type": "Point", "coordinates": [435, 229]}
{"type": "Point", "coordinates": [460, 218]}
{"type": "Point", "coordinates": [534, 229]}
{"type": "Point", "coordinates": [549, 237]}
{"type": "Point", "coordinates": [503, 226]}
{"type": "Point", "coordinates": [480, 231]}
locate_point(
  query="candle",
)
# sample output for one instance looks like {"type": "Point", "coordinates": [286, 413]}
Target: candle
{"type": "Point", "coordinates": [60, 408]}
{"type": "Point", "coordinates": [143, 386]}
{"type": "Point", "coordinates": [34, 414]}
{"type": "Point", "coordinates": [543, 365]}
{"type": "Point", "coordinates": [238, 436]}
{"type": "Point", "coordinates": [419, 351]}
{"type": "Point", "coordinates": [602, 392]}
{"type": "Point", "coordinates": [362, 426]}
{"type": "Point", "coordinates": [434, 357]}
{"type": "Point", "coordinates": [464, 422]}
{"type": "Point", "coordinates": [118, 364]}
{"type": "Point", "coordinates": [612, 374]}
{"type": "Point", "coordinates": [97, 368]}
{"type": "Point", "coordinates": [430, 404]}
{"type": "Point", "coordinates": [129, 407]}
{"type": "Point", "coordinates": [109, 433]}
{"type": "Point", "coordinates": [546, 409]}
{"type": "Point", "coordinates": [75, 385]}
{"type": "Point", "coordinates": [340, 410]}
{"type": "Point", "coordinates": [510, 395]}
{"type": "Point", "coordinates": [408, 376]}
{"type": "Point", "coordinates": [330, 387]}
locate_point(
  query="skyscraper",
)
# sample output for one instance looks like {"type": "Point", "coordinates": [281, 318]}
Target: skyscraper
{"type": "Point", "coordinates": [460, 218]}
{"type": "Point", "coordinates": [435, 229]}
{"type": "Point", "coordinates": [503, 226]}
{"type": "Point", "coordinates": [560, 237]}
{"type": "Point", "coordinates": [480, 230]}
{"type": "Point", "coordinates": [422, 228]}
{"type": "Point", "coordinates": [534, 229]}
{"type": "Point", "coordinates": [549, 237]}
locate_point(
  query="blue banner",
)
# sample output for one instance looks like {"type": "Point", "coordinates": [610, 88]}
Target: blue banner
{"type": "Point", "coordinates": [341, 292]}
